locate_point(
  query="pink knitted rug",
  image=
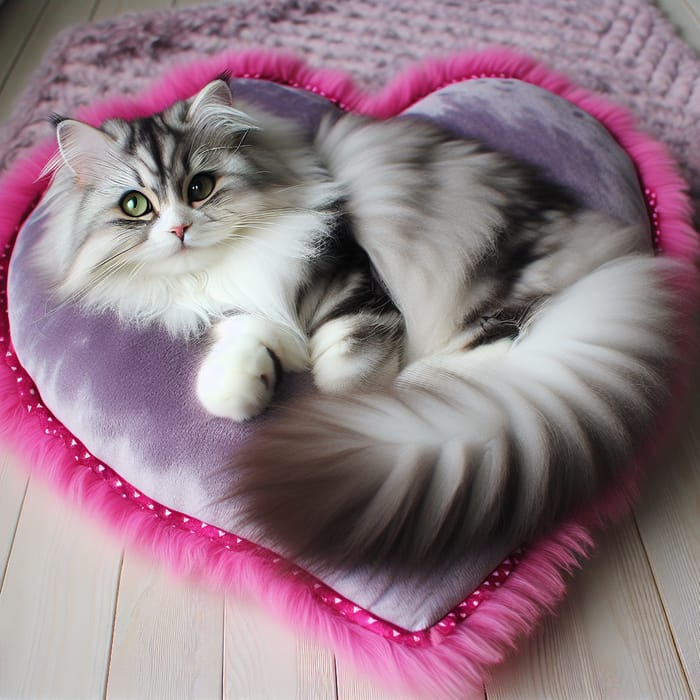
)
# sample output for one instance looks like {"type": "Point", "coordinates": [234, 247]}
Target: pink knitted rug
{"type": "Point", "coordinates": [657, 78]}
{"type": "Point", "coordinates": [625, 49]}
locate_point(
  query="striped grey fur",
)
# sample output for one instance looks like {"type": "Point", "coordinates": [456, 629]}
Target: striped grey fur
{"type": "Point", "coordinates": [490, 351]}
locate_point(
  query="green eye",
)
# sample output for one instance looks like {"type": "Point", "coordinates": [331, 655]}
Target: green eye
{"type": "Point", "coordinates": [200, 187]}
{"type": "Point", "coordinates": [135, 204]}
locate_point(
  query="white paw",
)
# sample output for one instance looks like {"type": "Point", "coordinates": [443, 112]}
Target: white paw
{"type": "Point", "coordinates": [237, 381]}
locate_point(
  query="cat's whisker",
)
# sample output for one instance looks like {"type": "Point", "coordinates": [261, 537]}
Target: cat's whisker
{"type": "Point", "coordinates": [108, 267]}
{"type": "Point", "coordinates": [115, 256]}
{"type": "Point", "coordinates": [136, 271]}
{"type": "Point", "coordinates": [199, 156]}
{"type": "Point", "coordinates": [240, 143]}
{"type": "Point", "coordinates": [55, 302]}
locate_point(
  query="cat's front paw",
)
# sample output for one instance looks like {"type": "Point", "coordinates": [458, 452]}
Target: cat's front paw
{"type": "Point", "coordinates": [237, 382]}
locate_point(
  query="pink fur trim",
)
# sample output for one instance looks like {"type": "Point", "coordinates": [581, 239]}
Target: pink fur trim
{"type": "Point", "coordinates": [451, 660]}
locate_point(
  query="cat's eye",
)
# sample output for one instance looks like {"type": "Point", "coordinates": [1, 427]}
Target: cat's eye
{"type": "Point", "coordinates": [135, 204]}
{"type": "Point", "coordinates": [200, 187]}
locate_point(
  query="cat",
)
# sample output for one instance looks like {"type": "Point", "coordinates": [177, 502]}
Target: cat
{"type": "Point", "coordinates": [489, 352]}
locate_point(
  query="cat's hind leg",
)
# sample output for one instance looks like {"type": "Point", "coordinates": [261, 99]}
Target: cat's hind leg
{"type": "Point", "coordinates": [356, 351]}
{"type": "Point", "coordinates": [356, 334]}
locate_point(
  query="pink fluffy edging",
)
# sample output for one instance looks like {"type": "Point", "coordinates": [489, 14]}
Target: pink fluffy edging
{"type": "Point", "coordinates": [451, 661]}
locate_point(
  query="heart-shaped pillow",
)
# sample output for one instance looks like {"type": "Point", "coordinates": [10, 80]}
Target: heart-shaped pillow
{"type": "Point", "coordinates": [116, 412]}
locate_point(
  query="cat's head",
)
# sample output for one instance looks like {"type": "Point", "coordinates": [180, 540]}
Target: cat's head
{"type": "Point", "coordinates": [169, 194]}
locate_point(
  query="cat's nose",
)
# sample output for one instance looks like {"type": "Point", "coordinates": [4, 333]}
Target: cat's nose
{"type": "Point", "coordinates": [179, 231]}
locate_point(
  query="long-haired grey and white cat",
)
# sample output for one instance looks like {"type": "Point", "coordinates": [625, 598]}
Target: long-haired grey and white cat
{"type": "Point", "coordinates": [488, 351]}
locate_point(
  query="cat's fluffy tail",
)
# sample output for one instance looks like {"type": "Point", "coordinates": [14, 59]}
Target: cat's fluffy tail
{"type": "Point", "coordinates": [469, 447]}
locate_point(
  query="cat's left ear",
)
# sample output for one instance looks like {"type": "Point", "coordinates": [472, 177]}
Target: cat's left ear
{"type": "Point", "coordinates": [89, 152]}
{"type": "Point", "coordinates": [214, 94]}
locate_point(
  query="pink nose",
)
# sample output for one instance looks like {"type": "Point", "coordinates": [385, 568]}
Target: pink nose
{"type": "Point", "coordinates": [179, 231]}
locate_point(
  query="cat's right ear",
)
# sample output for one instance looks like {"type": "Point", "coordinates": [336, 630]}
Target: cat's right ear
{"type": "Point", "coordinates": [87, 151]}
{"type": "Point", "coordinates": [217, 93]}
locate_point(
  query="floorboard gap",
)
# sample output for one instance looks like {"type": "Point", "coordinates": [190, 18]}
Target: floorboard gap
{"type": "Point", "coordinates": [114, 627]}
{"type": "Point", "coordinates": [667, 618]}
{"type": "Point", "coordinates": [14, 537]}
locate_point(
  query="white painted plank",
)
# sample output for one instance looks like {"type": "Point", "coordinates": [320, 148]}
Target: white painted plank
{"type": "Point", "coordinates": [265, 661]}
{"type": "Point", "coordinates": [58, 15]}
{"type": "Point", "coordinates": [694, 7]}
{"type": "Point", "coordinates": [556, 663]}
{"type": "Point", "coordinates": [168, 637]}
{"type": "Point", "coordinates": [611, 639]}
{"type": "Point", "coordinates": [189, 3]}
{"type": "Point", "coordinates": [353, 686]}
{"type": "Point", "coordinates": [13, 486]}
{"type": "Point", "coordinates": [112, 8]}
{"type": "Point", "coordinates": [685, 14]}
{"type": "Point", "coordinates": [669, 522]}
{"type": "Point", "coordinates": [57, 605]}
{"type": "Point", "coordinates": [17, 19]}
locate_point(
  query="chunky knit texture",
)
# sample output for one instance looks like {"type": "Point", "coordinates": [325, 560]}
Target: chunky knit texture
{"type": "Point", "coordinates": [625, 49]}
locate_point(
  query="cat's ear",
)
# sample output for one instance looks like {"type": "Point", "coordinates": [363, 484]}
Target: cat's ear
{"type": "Point", "coordinates": [215, 94]}
{"type": "Point", "coordinates": [87, 151]}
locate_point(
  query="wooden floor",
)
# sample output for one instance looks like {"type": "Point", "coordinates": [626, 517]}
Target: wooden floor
{"type": "Point", "coordinates": [80, 618]}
